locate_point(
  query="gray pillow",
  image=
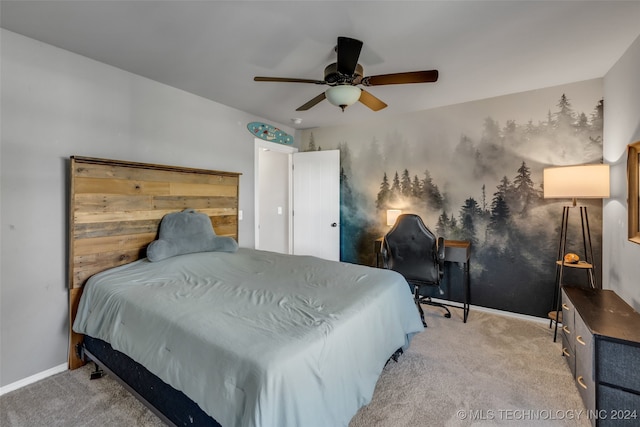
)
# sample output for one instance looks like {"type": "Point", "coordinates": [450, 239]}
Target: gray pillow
{"type": "Point", "coordinates": [187, 232]}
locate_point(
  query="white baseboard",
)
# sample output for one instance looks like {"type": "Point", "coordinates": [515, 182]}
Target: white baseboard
{"type": "Point", "coordinates": [33, 378]}
{"type": "Point", "coordinates": [473, 308]}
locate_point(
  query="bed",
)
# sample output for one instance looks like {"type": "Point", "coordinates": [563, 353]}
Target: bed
{"type": "Point", "coordinates": [233, 336]}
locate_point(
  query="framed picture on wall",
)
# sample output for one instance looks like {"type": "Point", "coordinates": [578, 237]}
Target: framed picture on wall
{"type": "Point", "coordinates": [633, 185]}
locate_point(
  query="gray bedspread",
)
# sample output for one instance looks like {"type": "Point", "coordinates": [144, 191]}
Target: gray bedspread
{"type": "Point", "coordinates": [256, 338]}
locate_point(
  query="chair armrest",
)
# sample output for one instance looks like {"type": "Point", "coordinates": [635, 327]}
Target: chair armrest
{"type": "Point", "coordinates": [441, 250]}
{"type": "Point", "coordinates": [440, 258]}
{"type": "Point", "coordinates": [384, 254]}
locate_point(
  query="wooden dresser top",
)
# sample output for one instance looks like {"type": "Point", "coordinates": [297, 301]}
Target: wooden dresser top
{"type": "Point", "coordinates": [605, 313]}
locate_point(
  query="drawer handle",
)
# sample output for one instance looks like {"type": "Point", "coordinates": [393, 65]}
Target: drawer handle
{"type": "Point", "coordinates": [565, 306]}
{"type": "Point", "coordinates": [580, 340]}
{"type": "Point", "coordinates": [566, 329]}
{"type": "Point", "coordinates": [581, 382]}
{"type": "Point", "coordinates": [565, 352]}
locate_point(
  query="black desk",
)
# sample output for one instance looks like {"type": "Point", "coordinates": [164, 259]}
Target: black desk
{"type": "Point", "coordinates": [455, 251]}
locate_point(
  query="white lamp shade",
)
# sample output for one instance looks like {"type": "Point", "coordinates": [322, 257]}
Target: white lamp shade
{"type": "Point", "coordinates": [576, 182]}
{"type": "Point", "coordinates": [343, 95]}
{"type": "Point", "coordinates": [392, 216]}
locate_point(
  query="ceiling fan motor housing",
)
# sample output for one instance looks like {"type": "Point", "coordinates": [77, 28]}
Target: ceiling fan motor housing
{"type": "Point", "coordinates": [332, 76]}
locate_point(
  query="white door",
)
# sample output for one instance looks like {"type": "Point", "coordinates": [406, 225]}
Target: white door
{"type": "Point", "coordinates": [316, 204]}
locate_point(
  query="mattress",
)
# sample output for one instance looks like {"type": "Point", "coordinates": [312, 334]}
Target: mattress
{"type": "Point", "coordinates": [255, 338]}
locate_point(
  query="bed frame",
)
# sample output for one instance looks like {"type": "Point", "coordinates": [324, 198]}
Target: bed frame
{"type": "Point", "coordinates": [115, 208]}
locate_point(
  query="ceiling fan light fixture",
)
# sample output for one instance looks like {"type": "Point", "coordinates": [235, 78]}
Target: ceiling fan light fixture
{"type": "Point", "coordinates": [343, 95]}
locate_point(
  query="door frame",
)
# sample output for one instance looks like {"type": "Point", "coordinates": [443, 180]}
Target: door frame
{"type": "Point", "coordinates": [262, 145]}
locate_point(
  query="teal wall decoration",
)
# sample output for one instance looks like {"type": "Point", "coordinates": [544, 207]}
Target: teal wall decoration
{"type": "Point", "coordinates": [269, 133]}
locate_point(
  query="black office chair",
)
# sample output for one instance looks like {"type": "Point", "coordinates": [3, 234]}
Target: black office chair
{"type": "Point", "coordinates": [412, 250]}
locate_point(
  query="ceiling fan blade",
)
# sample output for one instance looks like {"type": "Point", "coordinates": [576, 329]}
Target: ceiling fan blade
{"type": "Point", "coordinates": [371, 101]}
{"type": "Point", "coordinates": [288, 80]}
{"type": "Point", "coordinates": [348, 53]}
{"type": "Point", "coordinates": [312, 103]}
{"type": "Point", "coordinates": [401, 78]}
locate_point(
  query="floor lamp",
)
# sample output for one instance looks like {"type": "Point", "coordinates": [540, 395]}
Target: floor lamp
{"type": "Point", "coordinates": [574, 182]}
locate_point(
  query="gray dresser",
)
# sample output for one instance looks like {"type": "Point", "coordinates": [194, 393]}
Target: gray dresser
{"type": "Point", "coordinates": [601, 343]}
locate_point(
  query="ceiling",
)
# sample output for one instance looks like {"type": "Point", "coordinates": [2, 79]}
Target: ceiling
{"type": "Point", "coordinates": [215, 48]}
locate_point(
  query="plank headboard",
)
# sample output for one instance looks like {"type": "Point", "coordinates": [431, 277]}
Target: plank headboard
{"type": "Point", "coordinates": [116, 207]}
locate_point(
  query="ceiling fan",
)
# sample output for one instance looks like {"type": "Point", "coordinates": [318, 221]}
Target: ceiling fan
{"type": "Point", "coordinates": [346, 75]}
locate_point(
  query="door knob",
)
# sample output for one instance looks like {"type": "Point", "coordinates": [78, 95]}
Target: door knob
{"type": "Point", "coordinates": [334, 224]}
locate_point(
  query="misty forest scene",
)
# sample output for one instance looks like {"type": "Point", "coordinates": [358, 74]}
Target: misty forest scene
{"type": "Point", "coordinates": [486, 189]}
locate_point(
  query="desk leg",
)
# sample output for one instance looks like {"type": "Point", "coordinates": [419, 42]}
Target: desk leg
{"type": "Point", "coordinates": [377, 250]}
{"type": "Point", "coordinates": [467, 280]}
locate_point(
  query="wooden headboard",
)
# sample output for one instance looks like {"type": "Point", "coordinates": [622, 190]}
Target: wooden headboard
{"type": "Point", "coordinates": [116, 207]}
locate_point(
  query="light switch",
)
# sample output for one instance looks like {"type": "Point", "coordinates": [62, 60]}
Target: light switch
{"type": "Point", "coordinates": [239, 215]}
{"type": "Point", "coordinates": [279, 210]}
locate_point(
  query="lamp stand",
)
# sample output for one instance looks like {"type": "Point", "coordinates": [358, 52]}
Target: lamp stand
{"type": "Point", "coordinates": [588, 265]}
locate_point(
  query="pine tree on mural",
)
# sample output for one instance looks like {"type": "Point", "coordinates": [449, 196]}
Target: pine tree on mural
{"type": "Point", "coordinates": [524, 191]}
{"type": "Point", "coordinates": [416, 188]}
{"type": "Point", "coordinates": [469, 214]}
{"type": "Point", "coordinates": [405, 184]}
{"type": "Point", "coordinates": [595, 128]}
{"type": "Point", "coordinates": [484, 198]}
{"type": "Point", "coordinates": [431, 193]}
{"type": "Point", "coordinates": [597, 118]}
{"type": "Point", "coordinates": [346, 195]}
{"type": "Point", "coordinates": [582, 124]}
{"type": "Point", "coordinates": [396, 190]}
{"type": "Point", "coordinates": [550, 125]}
{"type": "Point", "coordinates": [347, 209]}
{"type": "Point", "coordinates": [530, 131]}
{"type": "Point", "coordinates": [442, 226]}
{"type": "Point", "coordinates": [499, 211]}
{"type": "Point", "coordinates": [507, 190]}
{"type": "Point", "coordinates": [312, 143]}
{"type": "Point", "coordinates": [465, 148]}
{"type": "Point", "coordinates": [453, 227]}
{"type": "Point", "coordinates": [491, 132]}
{"type": "Point", "coordinates": [345, 157]}
{"type": "Point", "coordinates": [511, 134]}
{"type": "Point", "coordinates": [384, 195]}
{"type": "Point", "coordinates": [565, 117]}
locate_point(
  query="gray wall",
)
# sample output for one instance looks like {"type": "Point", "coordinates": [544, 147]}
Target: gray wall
{"type": "Point", "coordinates": [56, 104]}
{"type": "Point", "coordinates": [621, 258]}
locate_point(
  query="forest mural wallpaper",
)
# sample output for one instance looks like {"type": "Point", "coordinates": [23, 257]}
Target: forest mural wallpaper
{"type": "Point", "coordinates": [473, 171]}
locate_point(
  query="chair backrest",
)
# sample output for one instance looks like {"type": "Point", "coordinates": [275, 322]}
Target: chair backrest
{"type": "Point", "coordinates": [411, 249]}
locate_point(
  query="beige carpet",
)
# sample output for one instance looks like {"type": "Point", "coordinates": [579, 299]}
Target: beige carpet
{"type": "Point", "coordinates": [493, 370]}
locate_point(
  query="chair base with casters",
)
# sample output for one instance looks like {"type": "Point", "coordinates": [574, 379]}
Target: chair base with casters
{"type": "Point", "coordinates": [427, 301]}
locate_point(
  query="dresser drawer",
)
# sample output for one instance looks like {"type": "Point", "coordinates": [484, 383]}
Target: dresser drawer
{"type": "Point", "coordinates": [618, 407]}
{"type": "Point", "coordinates": [568, 352]}
{"type": "Point", "coordinates": [584, 363]}
{"type": "Point", "coordinates": [619, 364]}
{"type": "Point", "coordinates": [568, 311]}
